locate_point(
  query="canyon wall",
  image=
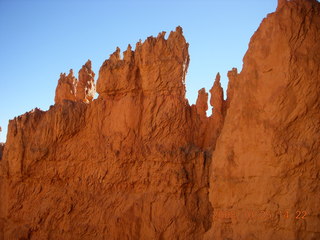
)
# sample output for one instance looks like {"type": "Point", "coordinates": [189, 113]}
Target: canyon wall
{"type": "Point", "coordinates": [139, 162]}
{"type": "Point", "coordinates": [127, 165]}
{"type": "Point", "coordinates": [265, 175]}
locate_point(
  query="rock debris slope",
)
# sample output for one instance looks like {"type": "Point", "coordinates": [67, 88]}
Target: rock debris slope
{"type": "Point", "coordinates": [139, 162]}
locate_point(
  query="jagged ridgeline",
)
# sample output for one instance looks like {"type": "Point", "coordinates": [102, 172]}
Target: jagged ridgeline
{"type": "Point", "coordinates": [139, 162]}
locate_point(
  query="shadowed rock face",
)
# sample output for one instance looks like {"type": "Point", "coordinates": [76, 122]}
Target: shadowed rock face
{"type": "Point", "coordinates": [1, 145]}
{"type": "Point", "coordinates": [139, 163]}
{"type": "Point", "coordinates": [1, 149]}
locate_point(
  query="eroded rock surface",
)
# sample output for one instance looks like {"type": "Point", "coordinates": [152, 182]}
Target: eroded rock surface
{"type": "Point", "coordinates": [72, 89]}
{"type": "Point", "coordinates": [202, 103]}
{"type": "Point", "coordinates": [265, 168]}
{"type": "Point", "coordinates": [86, 86]}
{"type": "Point", "coordinates": [1, 149]}
{"type": "Point", "coordinates": [1, 146]}
{"type": "Point", "coordinates": [138, 162]}
{"type": "Point", "coordinates": [125, 166]}
{"type": "Point", "coordinates": [66, 88]}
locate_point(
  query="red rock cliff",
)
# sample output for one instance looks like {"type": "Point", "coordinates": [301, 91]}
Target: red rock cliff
{"type": "Point", "coordinates": [265, 168]}
{"type": "Point", "coordinates": [128, 165]}
{"type": "Point", "coordinates": [139, 163]}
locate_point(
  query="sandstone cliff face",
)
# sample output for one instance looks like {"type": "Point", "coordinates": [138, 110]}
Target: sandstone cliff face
{"type": "Point", "coordinates": [138, 162]}
{"type": "Point", "coordinates": [265, 168]}
{"type": "Point", "coordinates": [126, 166]}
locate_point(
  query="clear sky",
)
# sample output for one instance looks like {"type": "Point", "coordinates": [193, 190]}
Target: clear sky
{"type": "Point", "coordinates": [39, 39]}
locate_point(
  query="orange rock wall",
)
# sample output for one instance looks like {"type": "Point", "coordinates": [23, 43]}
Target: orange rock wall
{"type": "Point", "coordinates": [265, 169]}
{"type": "Point", "coordinates": [139, 162]}
{"type": "Point", "coordinates": [126, 166]}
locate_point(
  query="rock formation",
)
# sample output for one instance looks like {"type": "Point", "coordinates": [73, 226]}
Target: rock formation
{"type": "Point", "coordinates": [69, 88]}
{"type": "Point", "coordinates": [1, 146]}
{"type": "Point", "coordinates": [265, 168]}
{"type": "Point", "coordinates": [66, 88]}
{"type": "Point", "coordinates": [139, 162]}
{"type": "Point", "coordinates": [232, 76]}
{"type": "Point", "coordinates": [1, 149]}
{"type": "Point", "coordinates": [125, 165]}
{"type": "Point", "coordinates": [86, 87]}
{"type": "Point", "coordinates": [202, 103]}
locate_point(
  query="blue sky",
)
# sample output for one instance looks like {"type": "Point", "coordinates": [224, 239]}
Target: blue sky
{"type": "Point", "coordinates": [41, 39]}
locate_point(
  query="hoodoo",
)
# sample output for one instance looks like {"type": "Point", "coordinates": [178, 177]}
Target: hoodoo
{"type": "Point", "coordinates": [138, 162]}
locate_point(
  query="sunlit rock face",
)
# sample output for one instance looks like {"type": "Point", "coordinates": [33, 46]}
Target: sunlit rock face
{"type": "Point", "coordinates": [139, 162]}
{"type": "Point", "coordinates": [265, 168]}
{"type": "Point", "coordinates": [86, 86]}
{"type": "Point", "coordinates": [127, 165]}
{"type": "Point", "coordinates": [72, 89]}
{"type": "Point", "coordinates": [66, 88]}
